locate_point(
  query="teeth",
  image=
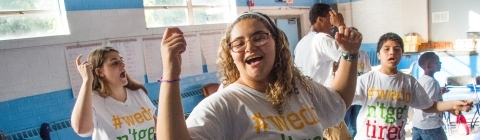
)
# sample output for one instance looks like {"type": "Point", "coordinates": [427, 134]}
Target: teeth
{"type": "Point", "coordinates": [252, 57]}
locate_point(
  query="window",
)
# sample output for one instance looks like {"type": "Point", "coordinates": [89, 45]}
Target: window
{"type": "Point", "coordinates": [32, 18]}
{"type": "Point", "coordinates": [162, 13]}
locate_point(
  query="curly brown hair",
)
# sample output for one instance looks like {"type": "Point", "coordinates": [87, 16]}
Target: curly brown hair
{"type": "Point", "coordinates": [281, 80]}
{"type": "Point", "coordinates": [97, 57]}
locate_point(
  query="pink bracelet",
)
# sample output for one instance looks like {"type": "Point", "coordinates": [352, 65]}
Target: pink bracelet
{"type": "Point", "coordinates": [168, 81]}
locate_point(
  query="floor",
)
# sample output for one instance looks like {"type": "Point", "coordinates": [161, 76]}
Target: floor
{"type": "Point", "coordinates": [454, 133]}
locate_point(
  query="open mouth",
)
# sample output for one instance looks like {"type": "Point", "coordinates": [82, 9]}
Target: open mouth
{"type": "Point", "coordinates": [122, 75]}
{"type": "Point", "coordinates": [392, 59]}
{"type": "Point", "coordinates": [253, 59]}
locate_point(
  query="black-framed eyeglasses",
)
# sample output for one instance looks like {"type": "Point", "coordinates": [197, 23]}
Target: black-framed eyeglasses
{"type": "Point", "coordinates": [257, 40]}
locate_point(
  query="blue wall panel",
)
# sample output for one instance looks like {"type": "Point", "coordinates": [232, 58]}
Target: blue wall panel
{"type": "Point", "coordinates": [30, 112]}
{"type": "Point", "coordinates": [76, 5]}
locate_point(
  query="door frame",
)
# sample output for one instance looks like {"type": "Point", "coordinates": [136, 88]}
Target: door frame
{"type": "Point", "coordinates": [297, 17]}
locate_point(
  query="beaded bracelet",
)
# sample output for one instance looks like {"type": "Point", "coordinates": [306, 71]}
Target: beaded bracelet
{"type": "Point", "coordinates": [168, 81]}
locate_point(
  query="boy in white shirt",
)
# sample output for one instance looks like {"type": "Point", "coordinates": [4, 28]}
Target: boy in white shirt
{"type": "Point", "coordinates": [429, 125]}
{"type": "Point", "coordinates": [386, 94]}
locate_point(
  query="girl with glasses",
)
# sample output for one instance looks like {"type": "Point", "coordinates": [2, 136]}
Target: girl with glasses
{"type": "Point", "coordinates": [265, 95]}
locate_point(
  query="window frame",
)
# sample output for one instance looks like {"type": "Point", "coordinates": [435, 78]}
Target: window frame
{"type": "Point", "coordinates": [58, 11]}
{"type": "Point", "coordinates": [190, 15]}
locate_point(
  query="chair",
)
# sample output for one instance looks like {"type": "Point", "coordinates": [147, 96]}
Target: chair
{"type": "Point", "coordinates": [410, 69]}
{"type": "Point", "coordinates": [465, 81]}
{"type": "Point", "coordinates": [209, 89]}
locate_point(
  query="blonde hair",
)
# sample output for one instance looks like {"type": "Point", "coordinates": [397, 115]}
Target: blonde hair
{"type": "Point", "coordinates": [97, 57]}
{"type": "Point", "coordinates": [281, 80]}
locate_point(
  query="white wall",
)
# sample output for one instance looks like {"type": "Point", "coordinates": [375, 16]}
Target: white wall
{"type": "Point", "coordinates": [37, 65]}
{"type": "Point", "coordinates": [415, 18]}
{"type": "Point", "coordinates": [376, 17]}
{"type": "Point", "coordinates": [464, 16]}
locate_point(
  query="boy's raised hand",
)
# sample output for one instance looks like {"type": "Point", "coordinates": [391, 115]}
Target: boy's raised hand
{"type": "Point", "coordinates": [349, 40]}
{"type": "Point", "coordinates": [173, 45]}
{"type": "Point", "coordinates": [336, 18]}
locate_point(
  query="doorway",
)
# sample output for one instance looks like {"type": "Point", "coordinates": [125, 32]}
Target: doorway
{"type": "Point", "coordinates": [290, 25]}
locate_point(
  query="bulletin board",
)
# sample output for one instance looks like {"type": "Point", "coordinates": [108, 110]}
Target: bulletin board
{"type": "Point", "coordinates": [153, 59]}
{"type": "Point", "coordinates": [132, 52]}
{"type": "Point", "coordinates": [142, 56]}
{"type": "Point", "coordinates": [192, 57]}
{"type": "Point", "coordinates": [210, 44]}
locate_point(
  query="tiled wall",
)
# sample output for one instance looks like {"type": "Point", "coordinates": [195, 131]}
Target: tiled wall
{"type": "Point", "coordinates": [374, 18]}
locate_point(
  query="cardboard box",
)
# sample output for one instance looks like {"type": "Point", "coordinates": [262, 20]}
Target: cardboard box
{"type": "Point", "coordinates": [465, 44]}
{"type": "Point", "coordinates": [436, 46]}
{"type": "Point", "coordinates": [412, 40]}
{"type": "Point", "coordinates": [448, 46]}
{"type": "Point", "coordinates": [410, 47]}
{"type": "Point", "coordinates": [424, 47]}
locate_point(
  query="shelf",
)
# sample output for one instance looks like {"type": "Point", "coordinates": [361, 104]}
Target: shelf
{"type": "Point", "coordinates": [448, 53]}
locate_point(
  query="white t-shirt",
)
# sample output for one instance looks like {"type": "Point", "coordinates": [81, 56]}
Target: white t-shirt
{"type": "Point", "coordinates": [363, 65]}
{"type": "Point", "coordinates": [315, 54]}
{"type": "Point", "coordinates": [132, 119]}
{"type": "Point", "coordinates": [424, 120]}
{"type": "Point", "coordinates": [385, 100]}
{"type": "Point", "coordinates": [238, 112]}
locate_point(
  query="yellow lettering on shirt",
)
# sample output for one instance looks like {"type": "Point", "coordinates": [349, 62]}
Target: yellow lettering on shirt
{"type": "Point", "coordinates": [304, 117]}
{"type": "Point", "coordinates": [388, 94]}
{"type": "Point", "coordinates": [129, 120]}
{"type": "Point", "coordinates": [279, 122]}
{"type": "Point", "coordinates": [137, 118]}
{"type": "Point", "coordinates": [361, 65]}
{"type": "Point", "coordinates": [296, 120]}
{"type": "Point", "coordinates": [293, 118]}
{"type": "Point", "coordinates": [260, 122]}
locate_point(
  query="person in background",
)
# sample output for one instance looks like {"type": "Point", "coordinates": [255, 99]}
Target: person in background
{"type": "Point", "coordinates": [386, 94]}
{"type": "Point", "coordinates": [111, 105]}
{"type": "Point", "coordinates": [264, 96]}
{"type": "Point", "coordinates": [428, 126]}
{"type": "Point", "coordinates": [317, 54]}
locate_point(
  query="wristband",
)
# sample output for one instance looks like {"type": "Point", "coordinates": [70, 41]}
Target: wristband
{"type": "Point", "coordinates": [349, 57]}
{"type": "Point", "coordinates": [168, 81]}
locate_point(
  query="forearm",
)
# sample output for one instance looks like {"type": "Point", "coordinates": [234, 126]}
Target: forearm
{"type": "Point", "coordinates": [82, 114]}
{"type": "Point", "coordinates": [170, 121]}
{"type": "Point", "coordinates": [439, 106]}
{"type": "Point", "coordinates": [345, 80]}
